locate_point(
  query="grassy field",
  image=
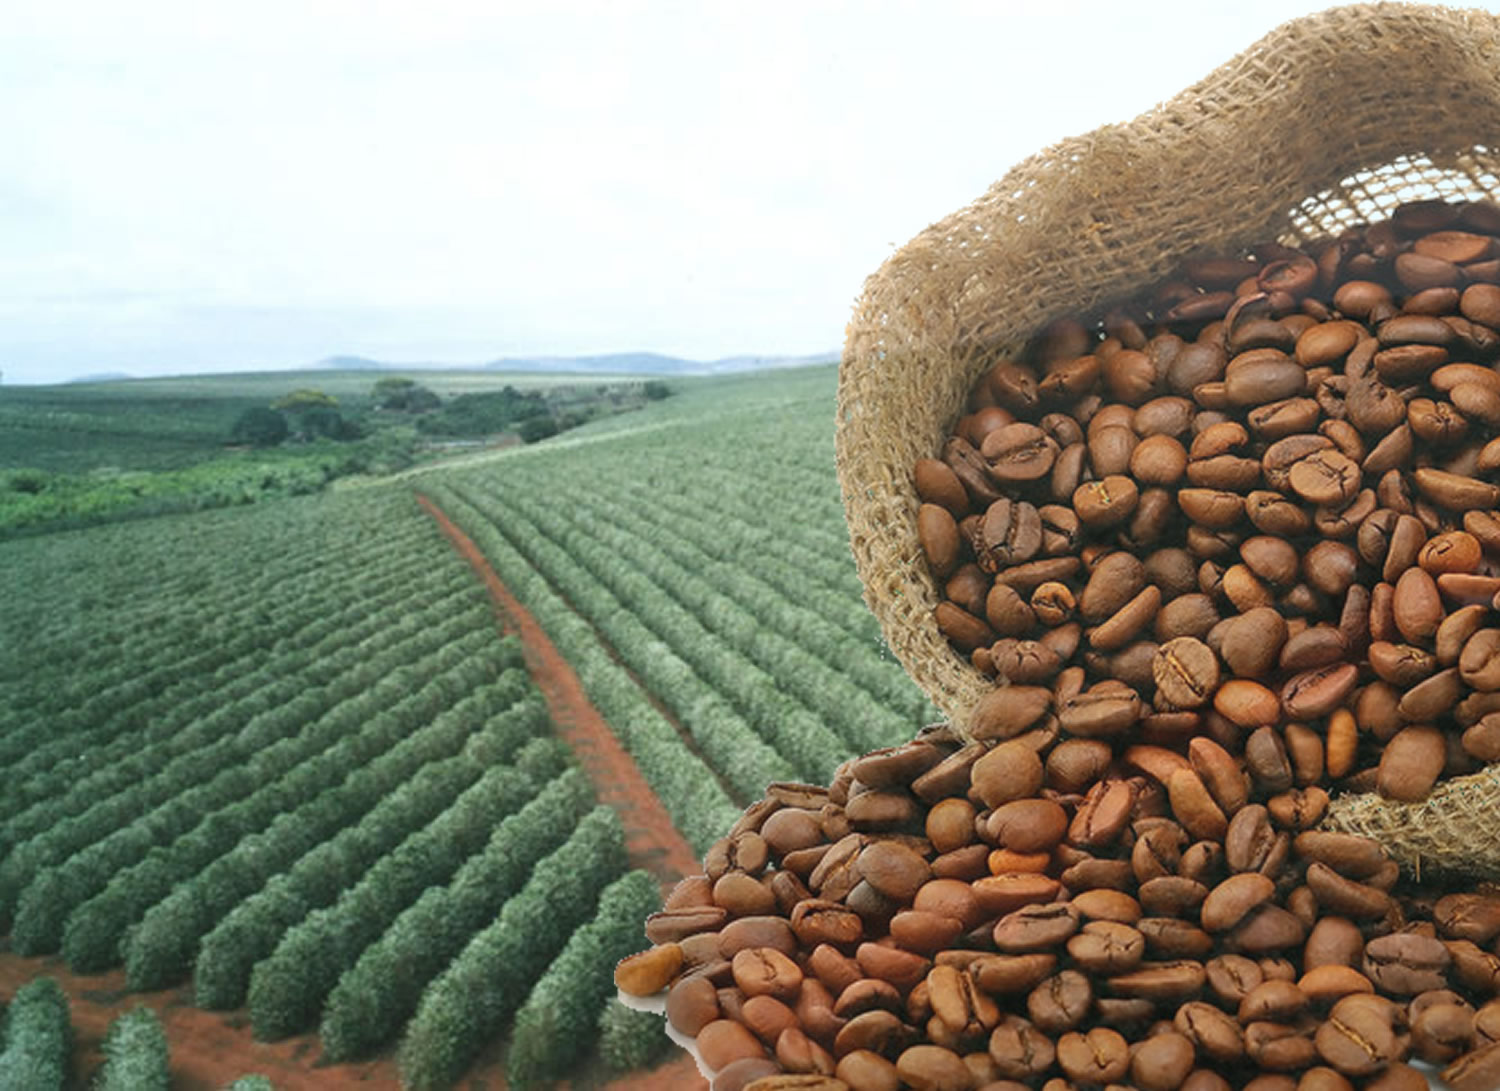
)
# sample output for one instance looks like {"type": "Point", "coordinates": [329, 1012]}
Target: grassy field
{"type": "Point", "coordinates": [84, 453]}
{"type": "Point", "coordinates": [282, 751]}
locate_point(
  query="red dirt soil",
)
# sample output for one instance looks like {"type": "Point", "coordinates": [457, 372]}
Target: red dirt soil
{"type": "Point", "coordinates": [211, 1049]}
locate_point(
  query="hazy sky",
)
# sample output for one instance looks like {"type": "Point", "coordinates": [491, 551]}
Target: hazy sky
{"type": "Point", "coordinates": [196, 186]}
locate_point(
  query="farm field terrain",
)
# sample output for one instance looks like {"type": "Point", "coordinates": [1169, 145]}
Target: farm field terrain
{"type": "Point", "coordinates": [81, 454]}
{"type": "Point", "coordinates": [293, 762]}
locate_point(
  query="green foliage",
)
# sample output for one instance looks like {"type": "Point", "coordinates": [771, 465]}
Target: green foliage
{"type": "Point", "coordinates": [655, 390]}
{"type": "Point", "coordinates": [468, 1005]}
{"type": "Point", "coordinates": [377, 995]}
{"type": "Point", "coordinates": [255, 1082]}
{"type": "Point", "coordinates": [135, 1054]}
{"type": "Point", "coordinates": [36, 1051]}
{"type": "Point", "coordinates": [175, 839]}
{"type": "Point", "coordinates": [566, 1003]}
{"type": "Point", "coordinates": [687, 787]}
{"type": "Point", "coordinates": [533, 429]}
{"type": "Point", "coordinates": [299, 401]}
{"type": "Point", "coordinates": [251, 931]}
{"type": "Point", "coordinates": [287, 990]}
{"type": "Point", "coordinates": [404, 396]}
{"type": "Point", "coordinates": [160, 950]}
{"type": "Point", "coordinates": [484, 414]}
{"type": "Point", "coordinates": [259, 426]}
{"type": "Point", "coordinates": [630, 1039]}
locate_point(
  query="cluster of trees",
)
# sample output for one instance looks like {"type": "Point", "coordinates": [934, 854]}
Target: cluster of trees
{"type": "Point", "coordinates": [302, 415]}
{"type": "Point", "coordinates": [565, 1005]}
{"type": "Point", "coordinates": [84, 902]}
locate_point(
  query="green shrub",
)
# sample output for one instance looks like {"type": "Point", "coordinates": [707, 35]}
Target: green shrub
{"type": "Point", "coordinates": [287, 990]}
{"type": "Point", "coordinates": [564, 1007]}
{"type": "Point", "coordinates": [135, 1054]}
{"type": "Point", "coordinates": [38, 1041]}
{"type": "Point", "coordinates": [468, 1005]}
{"type": "Point", "coordinates": [375, 997]}
{"type": "Point", "coordinates": [631, 1039]}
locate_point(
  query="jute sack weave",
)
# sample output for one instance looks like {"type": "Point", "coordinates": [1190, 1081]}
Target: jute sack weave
{"type": "Point", "coordinates": [1327, 121]}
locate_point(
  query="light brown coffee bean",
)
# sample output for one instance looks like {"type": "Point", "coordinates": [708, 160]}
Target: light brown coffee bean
{"type": "Point", "coordinates": [1411, 763]}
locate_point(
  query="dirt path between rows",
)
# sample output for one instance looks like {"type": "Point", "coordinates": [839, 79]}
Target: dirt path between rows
{"type": "Point", "coordinates": [651, 840]}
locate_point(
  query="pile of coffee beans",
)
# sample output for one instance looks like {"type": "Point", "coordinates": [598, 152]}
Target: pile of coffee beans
{"type": "Point", "coordinates": [986, 916]}
{"type": "Point", "coordinates": [1225, 551]}
{"type": "Point", "coordinates": [1256, 504]}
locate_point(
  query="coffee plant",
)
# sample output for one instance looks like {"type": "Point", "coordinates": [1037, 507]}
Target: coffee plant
{"type": "Point", "coordinates": [374, 998]}
{"type": "Point", "coordinates": [466, 1007]}
{"type": "Point", "coordinates": [135, 1054]}
{"type": "Point", "coordinates": [35, 1051]}
{"type": "Point", "coordinates": [566, 1002]}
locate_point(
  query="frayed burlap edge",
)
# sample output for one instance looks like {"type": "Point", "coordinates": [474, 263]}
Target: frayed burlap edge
{"type": "Point", "coordinates": [1329, 120]}
{"type": "Point", "coordinates": [1454, 831]}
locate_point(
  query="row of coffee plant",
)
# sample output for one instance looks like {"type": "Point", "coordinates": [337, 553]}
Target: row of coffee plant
{"type": "Point", "coordinates": [699, 803]}
{"type": "Point", "coordinates": [337, 779]}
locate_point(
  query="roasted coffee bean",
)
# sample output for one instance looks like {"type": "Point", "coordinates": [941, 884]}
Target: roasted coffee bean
{"type": "Point", "coordinates": [1406, 963]}
{"type": "Point", "coordinates": [1186, 672]}
{"type": "Point", "coordinates": [1096, 1057]}
{"type": "Point", "coordinates": [1359, 1037]}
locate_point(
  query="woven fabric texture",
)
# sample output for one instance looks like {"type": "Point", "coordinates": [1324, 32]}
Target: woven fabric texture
{"type": "Point", "coordinates": [1327, 121]}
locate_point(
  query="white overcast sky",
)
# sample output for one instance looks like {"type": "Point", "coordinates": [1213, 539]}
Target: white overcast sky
{"type": "Point", "coordinates": [200, 186]}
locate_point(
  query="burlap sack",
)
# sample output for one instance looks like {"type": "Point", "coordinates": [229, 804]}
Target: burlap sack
{"type": "Point", "coordinates": [1329, 120]}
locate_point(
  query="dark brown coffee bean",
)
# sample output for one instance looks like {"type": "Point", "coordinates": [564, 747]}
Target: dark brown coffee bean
{"type": "Point", "coordinates": [1161, 982]}
{"type": "Point", "coordinates": [1103, 814]}
{"type": "Point", "coordinates": [1272, 513]}
{"type": "Point", "coordinates": [1475, 1071]}
{"type": "Point", "coordinates": [1253, 641]}
{"type": "Point", "coordinates": [936, 483]}
{"type": "Point", "coordinates": [1229, 902]}
{"type": "Point", "coordinates": [1028, 825]}
{"type": "Point", "coordinates": [1260, 376]}
{"type": "Point", "coordinates": [1010, 534]}
{"type": "Point", "coordinates": [939, 536]}
{"type": "Point", "coordinates": [1012, 770]}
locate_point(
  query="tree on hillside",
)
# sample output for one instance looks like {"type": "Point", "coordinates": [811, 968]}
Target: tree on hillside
{"type": "Point", "coordinates": [259, 427]}
{"type": "Point", "coordinates": [313, 415]}
{"type": "Point", "coordinates": [404, 395]}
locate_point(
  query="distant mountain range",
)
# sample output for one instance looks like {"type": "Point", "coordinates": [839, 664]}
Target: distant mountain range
{"type": "Point", "coordinates": [615, 363]}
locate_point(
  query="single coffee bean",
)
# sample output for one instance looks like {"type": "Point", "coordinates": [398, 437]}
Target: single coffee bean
{"type": "Point", "coordinates": [1186, 672]}
{"type": "Point", "coordinates": [1358, 1038]}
